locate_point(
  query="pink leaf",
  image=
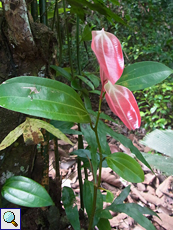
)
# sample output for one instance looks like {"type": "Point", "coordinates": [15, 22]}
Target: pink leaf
{"type": "Point", "coordinates": [122, 102]}
{"type": "Point", "coordinates": [107, 49]}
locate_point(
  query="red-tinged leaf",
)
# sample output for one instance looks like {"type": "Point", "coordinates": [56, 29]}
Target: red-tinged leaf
{"type": "Point", "coordinates": [108, 51]}
{"type": "Point", "coordinates": [122, 102]}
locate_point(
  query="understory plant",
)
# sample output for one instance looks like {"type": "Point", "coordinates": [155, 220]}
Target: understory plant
{"type": "Point", "coordinates": [155, 104]}
{"type": "Point", "coordinates": [54, 100]}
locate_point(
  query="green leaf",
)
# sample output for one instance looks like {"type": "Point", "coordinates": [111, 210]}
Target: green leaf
{"type": "Point", "coordinates": [73, 216]}
{"type": "Point", "coordinates": [87, 82]}
{"type": "Point", "coordinates": [109, 196]}
{"type": "Point", "coordinates": [87, 101]}
{"type": "Point", "coordinates": [43, 98]}
{"type": "Point", "coordinates": [103, 213]}
{"type": "Point", "coordinates": [92, 142]}
{"type": "Point", "coordinates": [102, 115]}
{"type": "Point", "coordinates": [86, 35]}
{"type": "Point", "coordinates": [82, 153]}
{"type": "Point", "coordinates": [143, 74]}
{"type": "Point", "coordinates": [126, 167]}
{"type": "Point", "coordinates": [88, 193]}
{"type": "Point", "coordinates": [68, 196]}
{"type": "Point", "coordinates": [95, 92]}
{"type": "Point", "coordinates": [164, 163]}
{"type": "Point", "coordinates": [95, 80]}
{"type": "Point", "coordinates": [135, 211]}
{"type": "Point", "coordinates": [62, 72]}
{"type": "Point", "coordinates": [160, 140]}
{"type": "Point", "coordinates": [75, 84]}
{"type": "Point", "coordinates": [126, 142]}
{"type": "Point", "coordinates": [96, 5]}
{"type": "Point", "coordinates": [119, 200]}
{"type": "Point", "coordinates": [25, 192]}
{"type": "Point", "coordinates": [65, 127]}
{"type": "Point", "coordinates": [104, 224]}
{"type": "Point", "coordinates": [68, 199]}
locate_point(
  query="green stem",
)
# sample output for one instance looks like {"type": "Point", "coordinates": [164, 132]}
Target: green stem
{"type": "Point", "coordinates": [86, 173]}
{"type": "Point", "coordinates": [34, 10]}
{"type": "Point", "coordinates": [54, 14]}
{"type": "Point", "coordinates": [80, 146]}
{"type": "Point", "coordinates": [68, 40]}
{"type": "Point", "coordinates": [43, 11]}
{"type": "Point", "coordinates": [96, 186]}
{"type": "Point", "coordinates": [77, 44]}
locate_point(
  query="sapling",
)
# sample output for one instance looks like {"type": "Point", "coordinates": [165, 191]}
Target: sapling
{"type": "Point", "coordinates": [54, 100]}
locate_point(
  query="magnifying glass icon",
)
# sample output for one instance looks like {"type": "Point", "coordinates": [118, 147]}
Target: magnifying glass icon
{"type": "Point", "coordinates": [9, 217]}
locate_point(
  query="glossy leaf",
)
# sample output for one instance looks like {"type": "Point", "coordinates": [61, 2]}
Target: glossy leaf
{"type": "Point", "coordinates": [126, 167]}
{"type": "Point", "coordinates": [122, 102]}
{"type": "Point", "coordinates": [25, 192]}
{"type": "Point", "coordinates": [108, 51]}
{"type": "Point", "coordinates": [136, 212]}
{"type": "Point", "coordinates": [144, 74]}
{"type": "Point", "coordinates": [68, 198]}
{"type": "Point", "coordinates": [43, 98]}
{"type": "Point", "coordinates": [62, 72]}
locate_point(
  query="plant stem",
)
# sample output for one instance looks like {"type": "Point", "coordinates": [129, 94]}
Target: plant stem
{"type": "Point", "coordinates": [77, 44]}
{"type": "Point", "coordinates": [58, 176]}
{"type": "Point", "coordinates": [34, 10]}
{"type": "Point", "coordinates": [43, 11]}
{"type": "Point", "coordinates": [59, 34]}
{"type": "Point", "coordinates": [96, 186]}
{"type": "Point", "coordinates": [80, 146]}
{"type": "Point", "coordinates": [68, 40]}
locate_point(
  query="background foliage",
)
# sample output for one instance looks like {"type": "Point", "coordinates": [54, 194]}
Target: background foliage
{"type": "Point", "coordinates": [145, 36]}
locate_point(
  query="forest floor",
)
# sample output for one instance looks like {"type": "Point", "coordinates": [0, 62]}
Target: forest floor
{"type": "Point", "coordinates": [156, 192]}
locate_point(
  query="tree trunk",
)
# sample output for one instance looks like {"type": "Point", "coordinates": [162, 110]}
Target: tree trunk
{"type": "Point", "coordinates": [26, 48]}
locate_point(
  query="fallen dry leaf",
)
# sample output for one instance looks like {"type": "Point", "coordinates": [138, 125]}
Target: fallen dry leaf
{"type": "Point", "coordinates": [166, 221]}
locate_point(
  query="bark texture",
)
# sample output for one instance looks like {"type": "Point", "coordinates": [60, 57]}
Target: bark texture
{"type": "Point", "coordinates": [26, 48]}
